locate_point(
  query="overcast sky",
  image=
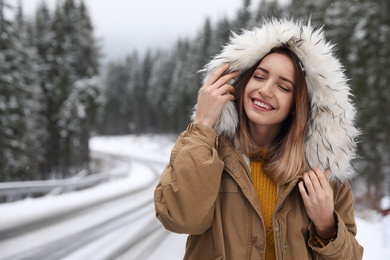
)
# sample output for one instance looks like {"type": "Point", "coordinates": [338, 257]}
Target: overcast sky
{"type": "Point", "coordinates": [125, 25]}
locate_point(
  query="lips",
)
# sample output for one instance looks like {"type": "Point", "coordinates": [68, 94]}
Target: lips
{"type": "Point", "coordinates": [262, 104]}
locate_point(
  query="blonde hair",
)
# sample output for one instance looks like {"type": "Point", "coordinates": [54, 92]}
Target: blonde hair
{"type": "Point", "coordinates": [286, 158]}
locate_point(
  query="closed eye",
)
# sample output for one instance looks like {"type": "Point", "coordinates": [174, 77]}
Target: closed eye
{"type": "Point", "coordinates": [258, 77]}
{"type": "Point", "coordinates": [286, 89]}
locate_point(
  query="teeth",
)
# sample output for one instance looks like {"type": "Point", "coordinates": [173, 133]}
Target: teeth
{"type": "Point", "coordinates": [261, 104]}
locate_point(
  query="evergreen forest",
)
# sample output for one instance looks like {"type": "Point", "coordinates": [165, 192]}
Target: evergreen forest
{"type": "Point", "coordinates": [55, 94]}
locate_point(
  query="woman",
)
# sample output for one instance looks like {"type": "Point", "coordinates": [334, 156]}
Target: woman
{"type": "Point", "coordinates": [262, 171]}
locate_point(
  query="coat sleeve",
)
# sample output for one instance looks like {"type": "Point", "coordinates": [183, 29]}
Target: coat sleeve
{"type": "Point", "coordinates": [186, 193]}
{"type": "Point", "coordinates": [345, 245]}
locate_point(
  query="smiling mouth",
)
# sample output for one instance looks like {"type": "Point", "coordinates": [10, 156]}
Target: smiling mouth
{"type": "Point", "coordinates": [262, 105]}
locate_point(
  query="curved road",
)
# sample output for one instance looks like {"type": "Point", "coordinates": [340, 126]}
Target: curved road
{"type": "Point", "coordinates": [119, 227]}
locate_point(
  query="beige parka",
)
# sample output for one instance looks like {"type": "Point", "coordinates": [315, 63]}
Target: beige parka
{"type": "Point", "coordinates": [206, 189]}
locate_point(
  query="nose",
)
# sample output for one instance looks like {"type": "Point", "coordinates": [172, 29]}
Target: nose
{"type": "Point", "coordinates": [266, 89]}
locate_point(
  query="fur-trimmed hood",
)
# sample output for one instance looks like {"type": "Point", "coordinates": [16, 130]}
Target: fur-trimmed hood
{"type": "Point", "coordinates": [331, 133]}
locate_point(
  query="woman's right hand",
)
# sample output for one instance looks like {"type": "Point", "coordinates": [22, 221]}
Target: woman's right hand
{"type": "Point", "coordinates": [213, 96]}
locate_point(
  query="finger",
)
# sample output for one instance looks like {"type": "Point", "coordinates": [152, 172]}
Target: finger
{"type": "Point", "coordinates": [322, 176]}
{"type": "Point", "coordinates": [217, 74]}
{"type": "Point", "coordinates": [325, 181]}
{"type": "Point", "coordinates": [226, 78]}
{"type": "Point", "coordinates": [227, 93]}
{"type": "Point", "coordinates": [308, 183]}
{"type": "Point", "coordinates": [225, 89]}
{"type": "Point", "coordinates": [314, 175]}
{"type": "Point", "coordinates": [303, 191]}
{"type": "Point", "coordinates": [229, 97]}
{"type": "Point", "coordinates": [317, 171]}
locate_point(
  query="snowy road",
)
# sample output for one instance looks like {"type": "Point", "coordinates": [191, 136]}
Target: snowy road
{"type": "Point", "coordinates": [118, 225]}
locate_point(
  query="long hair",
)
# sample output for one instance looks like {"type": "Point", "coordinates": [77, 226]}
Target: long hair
{"type": "Point", "coordinates": [286, 157]}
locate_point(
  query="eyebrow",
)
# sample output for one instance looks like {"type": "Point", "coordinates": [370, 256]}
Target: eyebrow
{"type": "Point", "coordinates": [281, 77]}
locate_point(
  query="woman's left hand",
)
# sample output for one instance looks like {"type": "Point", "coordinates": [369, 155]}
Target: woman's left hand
{"type": "Point", "coordinates": [317, 195]}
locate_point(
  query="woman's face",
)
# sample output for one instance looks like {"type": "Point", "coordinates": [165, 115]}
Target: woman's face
{"type": "Point", "coordinates": [269, 94]}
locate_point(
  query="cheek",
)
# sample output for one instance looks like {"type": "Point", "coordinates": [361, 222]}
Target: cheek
{"type": "Point", "coordinates": [249, 88]}
{"type": "Point", "coordinates": [246, 98]}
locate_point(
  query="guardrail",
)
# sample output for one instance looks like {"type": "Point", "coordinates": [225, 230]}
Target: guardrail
{"type": "Point", "coordinates": [12, 191]}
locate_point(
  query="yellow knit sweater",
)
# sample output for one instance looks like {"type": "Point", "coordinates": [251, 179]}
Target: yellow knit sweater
{"type": "Point", "coordinates": [266, 192]}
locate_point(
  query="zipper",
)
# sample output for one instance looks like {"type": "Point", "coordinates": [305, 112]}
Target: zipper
{"type": "Point", "coordinates": [248, 172]}
{"type": "Point", "coordinates": [280, 238]}
{"type": "Point", "coordinates": [278, 221]}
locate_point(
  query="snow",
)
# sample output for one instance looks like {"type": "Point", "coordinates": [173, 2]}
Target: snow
{"type": "Point", "coordinates": [153, 147]}
{"type": "Point", "coordinates": [371, 228]}
{"type": "Point", "coordinates": [15, 214]}
{"type": "Point", "coordinates": [370, 234]}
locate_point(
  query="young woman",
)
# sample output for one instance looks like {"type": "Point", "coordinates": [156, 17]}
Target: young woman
{"type": "Point", "coordinates": [262, 171]}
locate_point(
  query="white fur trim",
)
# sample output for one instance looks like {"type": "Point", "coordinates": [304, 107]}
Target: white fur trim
{"type": "Point", "coordinates": [331, 134]}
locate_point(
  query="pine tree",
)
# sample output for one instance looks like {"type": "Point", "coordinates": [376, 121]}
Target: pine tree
{"type": "Point", "coordinates": [243, 18]}
{"type": "Point", "coordinates": [78, 116]}
{"type": "Point", "coordinates": [370, 77]}
{"type": "Point", "coordinates": [19, 106]}
{"type": "Point", "coordinates": [32, 106]}
{"type": "Point", "coordinates": [309, 10]}
{"type": "Point", "coordinates": [139, 87]}
{"type": "Point", "coordinates": [42, 41]}
{"type": "Point", "coordinates": [267, 10]}
{"type": "Point", "coordinates": [181, 86]}
{"type": "Point", "coordinates": [119, 111]}
{"type": "Point", "coordinates": [85, 90]}
{"type": "Point", "coordinates": [67, 59]}
{"type": "Point", "coordinates": [219, 36]}
{"type": "Point", "coordinates": [88, 53]}
{"type": "Point", "coordinates": [159, 88]}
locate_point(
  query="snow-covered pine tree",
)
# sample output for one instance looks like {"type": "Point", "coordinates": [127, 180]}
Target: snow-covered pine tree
{"type": "Point", "coordinates": [159, 86]}
{"type": "Point", "coordinates": [220, 36]}
{"type": "Point", "coordinates": [85, 95]}
{"type": "Point", "coordinates": [175, 115]}
{"type": "Point", "coordinates": [42, 41]}
{"type": "Point", "coordinates": [268, 9]}
{"type": "Point", "coordinates": [369, 67]}
{"type": "Point", "coordinates": [138, 99]}
{"type": "Point", "coordinates": [77, 113]}
{"type": "Point", "coordinates": [19, 99]}
{"type": "Point", "coordinates": [199, 53]}
{"type": "Point", "coordinates": [67, 59]}
{"type": "Point", "coordinates": [87, 65]}
{"type": "Point", "coordinates": [117, 117]}
{"type": "Point", "coordinates": [243, 17]}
